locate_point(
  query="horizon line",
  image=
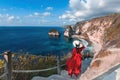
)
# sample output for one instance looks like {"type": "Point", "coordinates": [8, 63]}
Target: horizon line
{"type": "Point", "coordinates": [30, 26]}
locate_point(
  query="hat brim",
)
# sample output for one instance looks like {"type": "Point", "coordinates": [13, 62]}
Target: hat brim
{"type": "Point", "coordinates": [76, 41]}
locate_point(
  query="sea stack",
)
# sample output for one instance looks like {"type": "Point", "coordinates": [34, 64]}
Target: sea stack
{"type": "Point", "coordinates": [54, 32]}
{"type": "Point", "coordinates": [69, 31]}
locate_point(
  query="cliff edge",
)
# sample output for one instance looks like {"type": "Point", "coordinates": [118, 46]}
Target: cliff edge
{"type": "Point", "coordinates": [104, 34]}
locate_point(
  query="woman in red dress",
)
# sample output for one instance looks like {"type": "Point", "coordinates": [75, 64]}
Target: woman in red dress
{"type": "Point", "coordinates": [73, 64]}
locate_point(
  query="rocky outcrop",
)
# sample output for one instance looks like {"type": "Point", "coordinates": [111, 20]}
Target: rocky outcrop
{"type": "Point", "coordinates": [54, 32]}
{"type": "Point", "coordinates": [64, 76]}
{"type": "Point", "coordinates": [78, 27]}
{"type": "Point", "coordinates": [69, 31]}
{"type": "Point", "coordinates": [103, 32]}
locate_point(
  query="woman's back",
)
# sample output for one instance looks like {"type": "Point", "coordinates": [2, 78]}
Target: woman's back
{"type": "Point", "coordinates": [74, 63]}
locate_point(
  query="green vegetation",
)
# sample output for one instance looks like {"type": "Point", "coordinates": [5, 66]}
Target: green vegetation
{"type": "Point", "coordinates": [32, 62]}
{"type": "Point", "coordinates": [1, 63]}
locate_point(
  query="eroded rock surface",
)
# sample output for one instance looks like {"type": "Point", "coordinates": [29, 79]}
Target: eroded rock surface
{"type": "Point", "coordinates": [104, 33]}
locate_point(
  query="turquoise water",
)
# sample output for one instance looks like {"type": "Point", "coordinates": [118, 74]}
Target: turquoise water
{"type": "Point", "coordinates": [34, 40]}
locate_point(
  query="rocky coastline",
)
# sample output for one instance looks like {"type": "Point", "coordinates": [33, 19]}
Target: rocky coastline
{"type": "Point", "coordinates": [103, 33]}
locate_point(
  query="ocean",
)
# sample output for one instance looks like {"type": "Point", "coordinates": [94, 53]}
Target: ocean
{"type": "Point", "coordinates": [34, 40]}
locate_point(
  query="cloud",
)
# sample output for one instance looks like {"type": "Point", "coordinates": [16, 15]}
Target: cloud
{"type": "Point", "coordinates": [4, 9]}
{"type": "Point", "coordinates": [36, 18]}
{"type": "Point", "coordinates": [29, 16]}
{"type": "Point", "coordinates": [10, 18]}
{"type": "Point", "coordinates": [71, 17]}
{"type": "Point", "coordinates": [46, 14]}
{"type": "Point", "coordinates": [42, 21]}
{"type": "Point", "coordinates": [49, 8]}
{"type": "Point", "coordinates": [0, 15]}
{"type": "Point", "coordinates": [86, 9]}
{"type": "Point", "coordinates": [67, 15]}
{"type": "Point", "coordinates": [6, 19]}
{"type": "Point", "coordinates": [36, 14]}
{"type": "Point", "coordinates": [33, 19]}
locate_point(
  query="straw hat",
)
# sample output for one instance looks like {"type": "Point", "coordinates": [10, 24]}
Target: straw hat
{"type": "Point", "coordinates": [77, 43]}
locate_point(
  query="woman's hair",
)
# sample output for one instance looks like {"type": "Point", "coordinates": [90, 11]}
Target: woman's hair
{"type": "Point", "coordinates": [78, 50]}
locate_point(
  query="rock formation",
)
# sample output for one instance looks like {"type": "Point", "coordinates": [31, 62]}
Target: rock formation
{"type": "Point", "coordinates": [54, 32]}
{"type": "Point", "coordinates": [68, 32]}
{"type": "Point", "coordinates": [64, 76]}
{"type": "Point", "coordinates": [104, 33]}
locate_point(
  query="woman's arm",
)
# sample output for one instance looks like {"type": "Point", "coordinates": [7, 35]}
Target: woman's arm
{"type": "Point", "coordinates": [83, 47]}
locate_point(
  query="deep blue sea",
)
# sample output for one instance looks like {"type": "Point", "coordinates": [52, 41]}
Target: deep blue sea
{"type": "Point", "coordinates": [34, 40]}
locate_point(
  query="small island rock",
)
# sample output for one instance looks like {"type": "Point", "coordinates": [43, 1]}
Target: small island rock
{"type": "Point", "coordinates": [54, 32]}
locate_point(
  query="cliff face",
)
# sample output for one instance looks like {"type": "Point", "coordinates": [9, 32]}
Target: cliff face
{"type": "Point", "coordinates": [68, 32]}
{"type": "Point", "coordinates": [104, 33]}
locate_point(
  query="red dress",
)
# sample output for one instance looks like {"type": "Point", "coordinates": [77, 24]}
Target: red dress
{"type": "Point", "coordinates": [73, 64]}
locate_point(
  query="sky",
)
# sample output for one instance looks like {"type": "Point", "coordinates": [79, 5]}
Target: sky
{"type": "Point", "coordinates": [53, 12]}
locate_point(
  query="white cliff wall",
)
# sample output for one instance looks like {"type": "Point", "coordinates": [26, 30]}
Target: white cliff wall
{"type": "Point", "coordinates": [105, 57]}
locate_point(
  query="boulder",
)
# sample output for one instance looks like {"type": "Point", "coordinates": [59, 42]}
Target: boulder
{"type": "Point", "coordinates": [39, 78]}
